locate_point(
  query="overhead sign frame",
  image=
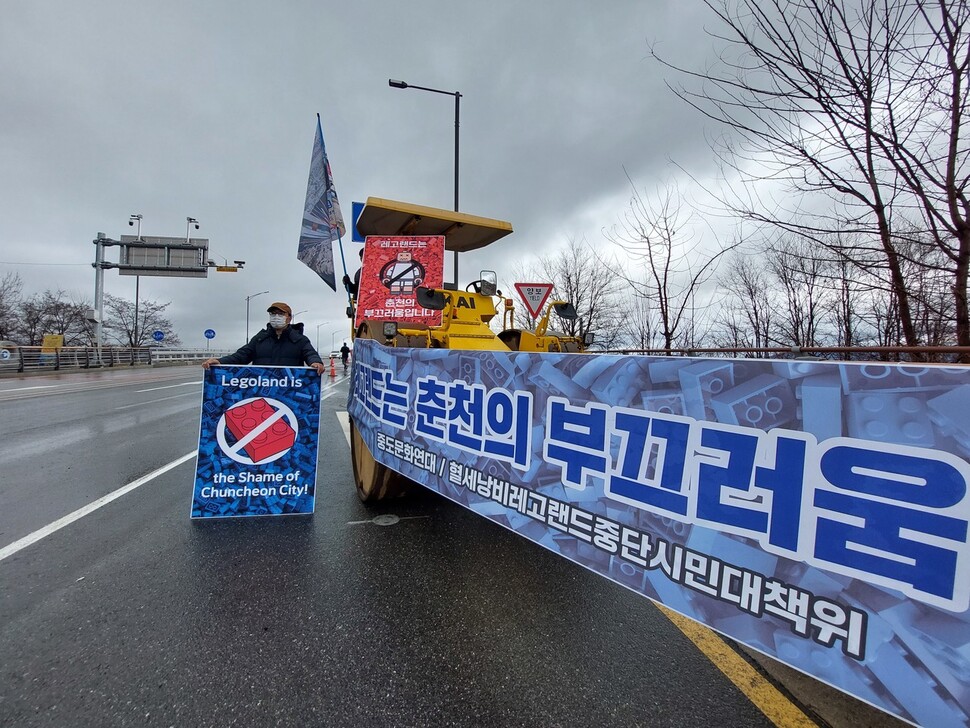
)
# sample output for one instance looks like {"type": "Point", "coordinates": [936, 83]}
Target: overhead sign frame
{"type": "Point", "coordinates": [163, 256]}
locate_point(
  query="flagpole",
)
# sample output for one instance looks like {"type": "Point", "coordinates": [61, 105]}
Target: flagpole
{"type": "Point", "coordinates": [350, 299]}
{"type": "Point", "coordinates": [340, 239]}
{"type": "Point", "coordinates": [322, 208]}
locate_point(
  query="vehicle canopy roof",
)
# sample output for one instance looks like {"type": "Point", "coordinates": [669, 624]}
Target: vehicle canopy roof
{"type": "Point", "coordinates": [463, 232]}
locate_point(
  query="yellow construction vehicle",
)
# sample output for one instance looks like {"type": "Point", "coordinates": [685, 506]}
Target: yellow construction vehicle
{"type": "Point", "coordinates": [464, 320]}
{"type": "Point", "coordinates": [541, 339]}
{"type": "Point", "coordinates": [465, 315]}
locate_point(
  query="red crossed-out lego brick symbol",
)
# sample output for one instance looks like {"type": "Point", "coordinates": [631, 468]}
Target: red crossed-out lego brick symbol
{"type": "Point", "coordinates": [259, 429]}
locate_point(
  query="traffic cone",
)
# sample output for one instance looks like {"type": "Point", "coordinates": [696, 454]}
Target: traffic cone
{"type": "Point", "coordinates": [333, 369]}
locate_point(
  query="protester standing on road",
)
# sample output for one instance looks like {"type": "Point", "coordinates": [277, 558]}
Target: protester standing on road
{"type": "Point", "coordinates": [279, 344]}
{"type": "Point", "coordinates": [344, 354]}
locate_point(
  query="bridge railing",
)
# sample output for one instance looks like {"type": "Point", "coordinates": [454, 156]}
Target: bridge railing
{"type": "Point", "coordinates": [891, 354]}
{"type": "Point", "coordinates": [21, 359]}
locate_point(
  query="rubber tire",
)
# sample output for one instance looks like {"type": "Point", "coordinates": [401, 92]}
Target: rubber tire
{"type": "Point", "coordinates": [374, 481]}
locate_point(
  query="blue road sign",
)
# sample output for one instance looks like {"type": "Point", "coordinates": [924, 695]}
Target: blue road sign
{"type": "Point", "coordinates": [210, 334]}
{"type": "Point", "coordinates": [355, 209]}
{"type": "Point", "coordinates": [158, 335]}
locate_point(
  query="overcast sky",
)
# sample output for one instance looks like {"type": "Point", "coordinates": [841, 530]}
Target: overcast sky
{"type": "Point", "coordinates": [208, 109]}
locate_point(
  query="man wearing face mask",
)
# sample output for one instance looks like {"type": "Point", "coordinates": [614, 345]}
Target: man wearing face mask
{"type": "Point", "coordinates": [279, 344]}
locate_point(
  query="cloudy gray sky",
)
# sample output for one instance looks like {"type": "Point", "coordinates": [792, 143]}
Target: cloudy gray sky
{"type": "Point", "coordinates": [208, 109]}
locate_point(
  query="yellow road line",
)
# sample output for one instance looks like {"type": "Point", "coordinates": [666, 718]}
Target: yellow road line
{"type": "Point", "coordinates": [766, 697]}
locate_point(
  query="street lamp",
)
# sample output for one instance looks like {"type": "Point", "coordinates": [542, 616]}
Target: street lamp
{"type": "Point", "coordinates": [318, 334]}
{"type": "Point", "coordinates": [132, 219]}
{"type": "Point", "coordinates": [189, 221]}
{"type": "Point", "coordinates": [401, 84]}
{"type": "Point", "coordinates": [248, 298]}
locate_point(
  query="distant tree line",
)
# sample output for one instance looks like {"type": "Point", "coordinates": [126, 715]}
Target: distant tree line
{"type": "Point", "coordinates": [26, 319]}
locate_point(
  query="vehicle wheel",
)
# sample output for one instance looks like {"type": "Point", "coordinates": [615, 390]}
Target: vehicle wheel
{"type": "Point", "coordinates": [374, 481]}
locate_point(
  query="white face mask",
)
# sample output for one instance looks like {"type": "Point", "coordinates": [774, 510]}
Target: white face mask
{"type": "Point", "coordinates": [277, 320]}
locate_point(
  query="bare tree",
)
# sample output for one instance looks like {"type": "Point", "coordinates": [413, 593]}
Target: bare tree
{"type": "Point", "coordinates": [748, 316]}
{"type": "Point", "coordinates": [800, 277]}
{"type": "Point", "coordinates": [845, 304]}
{"type": "Point", "coordinates": [640, 326]}
{"type": "Point", "coordinates": [11, 287]}
{"type": "Point", "coordinates": [580, 277]}
{"type": "Point", "coordinates": [51, 312]}
{"type": "Point", "coordinates": [27, 320]}
{"type": "Point", "coordinates": [931, 300]}
{"type": "Point", "coordinates": [659, 237]}
{"type": "Point", "coordinates": [862, 102]}
{"type": "Point", "coordinates": [119, 321]}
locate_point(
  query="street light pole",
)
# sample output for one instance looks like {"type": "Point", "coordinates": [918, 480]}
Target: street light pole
{"type": "Point", "coordinates": [402, 84]}
{"type": "Point", "coordinates": [132, 219]}
{"type": "Point", "coordinates": [248, 298]}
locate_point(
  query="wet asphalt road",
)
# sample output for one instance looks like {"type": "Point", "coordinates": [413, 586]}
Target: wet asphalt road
{"type": "Point", "coordinates": [136, 616]}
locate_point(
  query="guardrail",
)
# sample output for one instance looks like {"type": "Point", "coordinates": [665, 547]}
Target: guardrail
{"type": "Point", "coordinates": [23, 359]}
{"type": "Point", "coordinates": [177, 356]}
{"type": "Point", "coordinates": [901, 354]}
{"type": "Point", "coordinates": [889, 354]}
{"type": "Point", "coordinates": [20, 359]}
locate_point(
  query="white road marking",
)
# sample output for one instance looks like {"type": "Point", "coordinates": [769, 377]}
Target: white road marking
{"type": "Point", "coordinates": [89, 508]}
{"type": "Point", "coordinates": [344, 420]}
{"type": "Point", "coordinates": [185, 384]}
{"type": "Point", "coordinates": [68, 387]}
{"type": "Point", "coordinates": [153, 401]}
{"type": "Point", "coordinates": [332, 387]}
{"type": "Point", "coordinates": [60, 523]}
{"type": "Point", "coordinates": [168, 386]}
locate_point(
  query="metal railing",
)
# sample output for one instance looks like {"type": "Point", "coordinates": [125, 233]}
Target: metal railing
{"type": "Point", "coordinates": [21, 359]}
{"type": "Point", "coordinates": [891, 354]}
{"type": "Point", "coordinates": [182, 356]}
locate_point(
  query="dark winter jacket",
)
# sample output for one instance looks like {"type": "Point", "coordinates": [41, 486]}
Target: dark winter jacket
{"type": "Point", "coordinates": [292, 349]}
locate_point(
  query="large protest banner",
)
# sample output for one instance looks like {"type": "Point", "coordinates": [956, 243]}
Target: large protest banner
{"type": "Point", "coordinates": [815, 511]}
{"type": "Point", "coordinates": [258, 441]}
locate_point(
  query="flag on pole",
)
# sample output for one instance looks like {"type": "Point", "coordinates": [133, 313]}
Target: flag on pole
{"type": "Point", "coordinates": [322, 221]}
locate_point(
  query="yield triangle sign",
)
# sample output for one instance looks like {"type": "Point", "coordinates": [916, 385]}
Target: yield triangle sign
{"type": "Point", "coordinates": [534, 295]}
